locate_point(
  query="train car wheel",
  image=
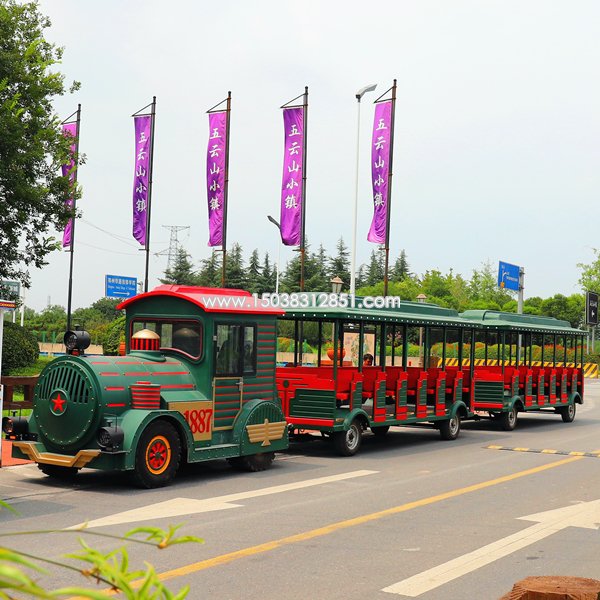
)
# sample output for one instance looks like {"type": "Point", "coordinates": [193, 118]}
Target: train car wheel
{"type": "Point", "coordinates": [380, 431]}
{"type": "Point", "coordinates": [58, 472]}
{"type": "Point", "coordinates": [158, 455]}
{"type": "Point", "coordinates": [568, 413]}
{"type": "Point", "coordinates": [508, 420]}
{"type": "Point", "coordinates": [348, 442]}
{"type": "Point", "coordinates": [253, 462]}
{"type": "Point", "coordinates": [450, 428]}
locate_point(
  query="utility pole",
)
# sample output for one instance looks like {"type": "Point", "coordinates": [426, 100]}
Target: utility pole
{"type": "Point", "coordinates": [171, 251]}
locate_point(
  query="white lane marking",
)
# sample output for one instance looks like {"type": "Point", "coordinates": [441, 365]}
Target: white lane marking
{"type": "Point", "coordinates": [584, 514]}
{"type": "Point", "coordinates": [188, 506]}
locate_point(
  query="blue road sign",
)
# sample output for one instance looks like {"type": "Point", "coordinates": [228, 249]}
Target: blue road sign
{"type": "Point", "coordinates": [508, 276]}
{"type": "Point", "coordinates": [117, 286]}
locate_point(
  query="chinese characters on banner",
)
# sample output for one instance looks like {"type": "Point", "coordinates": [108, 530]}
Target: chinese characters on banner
{"type": "Point", "coordinates": [380, 155]}
{"type": "Point", "coordinates": [68, 170]}
{"type": "Point", "coordinates": [143, 128]}
{"type": "Point", "coordinates": [291, 186]}
{"type": "Point", "coordinates": [215, 176]}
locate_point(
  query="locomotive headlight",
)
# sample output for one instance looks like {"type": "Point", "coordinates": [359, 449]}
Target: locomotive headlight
{"type": "Point", "coordinates": [110, 438]}
{"type": "Point", "coordinates": [76, 339]}
{"type": "Point", "coordinates": [15, 426]}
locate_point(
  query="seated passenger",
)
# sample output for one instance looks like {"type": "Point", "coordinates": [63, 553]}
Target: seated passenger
{"type": "Point", "coordinates": [249, 356]}
{"type": "Point", "coordinates": [368, 360]}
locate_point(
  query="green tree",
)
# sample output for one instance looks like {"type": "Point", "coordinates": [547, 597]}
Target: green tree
{"type": "Point", "coordinates": [435, 285]}
{"type": "Point", "coordinates": [569, 308]}
{"type": "Point", "coordinates": [400, 270]}
{"type": "Point", "coordinates": [32, 146]}
{"type": "Point", "coordinates": [374, 269]}
{"type": "Point", "coordinates": [210, 270]}
{"type": "Point", "coordinates": [268, 277]}
{"type": "Point", "coordinates": [52, 319]}
{"type": "Point", "coordinates": [235, 274]}
{"type": "Point", "coordinates": [313, 281]}
{"type": "Point", "coordinates": [254, 274]}
{"type": "Point", "coordinates": [107, 307]}
{"type": "Point", "coordinates": [182, 272]}
{"type": "Point", "coordinates": [339, 265]}
{"type": "Point", "coordinates": [590, 274]}
{"type": "Point", "coordinates": [19, 349]}
{"type": "Point", "coordinates": [319, 281]}
{"type": "Point", "coordinates": [114, 335]}
{"type": "Point", "coordinates": [484, 288]}
{"type": "Point", "coordinates": [360, 277]}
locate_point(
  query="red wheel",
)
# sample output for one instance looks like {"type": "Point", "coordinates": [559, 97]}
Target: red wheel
{"type": "Point", "coordinates": [158, 455]}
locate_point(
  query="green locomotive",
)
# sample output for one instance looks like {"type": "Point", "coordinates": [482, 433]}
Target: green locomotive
{"type": "Point", "coordinates": [197, 383]}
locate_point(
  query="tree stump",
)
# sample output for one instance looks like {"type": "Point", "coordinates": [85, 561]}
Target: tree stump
{"type": "Point", "coordinates": [554, 587]}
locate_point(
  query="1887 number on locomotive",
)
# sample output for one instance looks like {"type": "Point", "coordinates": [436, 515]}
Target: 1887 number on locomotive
{"type": "Point", "coordinates": [198, 415]}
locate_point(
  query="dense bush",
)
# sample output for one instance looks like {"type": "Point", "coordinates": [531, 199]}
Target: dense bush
{"type": "Point", "coordinates": [115, 334]}
{"type": "Point", "coordinates": [19, 349]}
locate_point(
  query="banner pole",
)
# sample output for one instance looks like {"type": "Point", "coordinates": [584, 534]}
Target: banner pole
{"type": "Point", "coordinates": [72, 245]}
{"type": "Point", "coordinates": [149, 211]}
{"type": "Point", "coordinates": [225, 189]}
{"type": "Point", "coordinates": [389, 195]}
{"type": "Point", "coordinates": [303, 233]}
{"type": "Point", "coordinates": [1, 385]}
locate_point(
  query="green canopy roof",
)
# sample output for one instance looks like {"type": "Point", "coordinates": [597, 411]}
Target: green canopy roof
{"type": "Point", "coordinates": [515, 322]}
{"type": "Point", "coordinates": [412, 313]}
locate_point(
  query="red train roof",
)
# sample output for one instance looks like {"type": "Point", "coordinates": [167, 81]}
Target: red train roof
{"type": "Point", "coordinates": [223, 300]}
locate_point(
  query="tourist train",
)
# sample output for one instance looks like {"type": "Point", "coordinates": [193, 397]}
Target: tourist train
{"type": "Point", "coordinates": [214, 373]}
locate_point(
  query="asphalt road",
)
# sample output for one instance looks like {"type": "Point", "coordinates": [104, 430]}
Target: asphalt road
{"type": "Point", "coordinates": [411, 513]}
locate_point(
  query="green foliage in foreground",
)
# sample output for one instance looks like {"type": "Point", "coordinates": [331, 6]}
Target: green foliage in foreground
{"type": "Point", "coordinates": [20, 572]}
{"type": "Point", "coordinates": [33, 147]}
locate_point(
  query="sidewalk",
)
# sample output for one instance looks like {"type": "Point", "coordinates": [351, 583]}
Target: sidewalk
{"type": "Point", "coordinates": [7, 460]}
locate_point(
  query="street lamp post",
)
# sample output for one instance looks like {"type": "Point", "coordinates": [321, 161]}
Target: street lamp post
{"type": "Point", "coordinates": [336, 285]}
{"type": "Point", "coordinates": [359, 95]}
{"type": "Point", "coordinates": [276, 223]}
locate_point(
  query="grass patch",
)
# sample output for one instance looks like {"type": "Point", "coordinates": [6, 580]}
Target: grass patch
{"type": "Point", "coordinates": [34, 369]}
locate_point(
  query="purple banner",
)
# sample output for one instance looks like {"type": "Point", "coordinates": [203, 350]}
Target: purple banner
{"type": "Point", "coordinates": [291, 186]}
{"type": "Point", "coordinates": [143, 129]}
{"type": "Point", "coordinates": [68, 170]}
{"type": "Point", "coordinates": [215, 175]}
{"type": "Point", "coordinates": [380, 157]}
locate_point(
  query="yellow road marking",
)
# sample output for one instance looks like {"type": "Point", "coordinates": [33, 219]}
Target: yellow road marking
{"type": "Point", "coordinates": [321, 531]}
{"type": "Point", "coordinates": [548, 451]}
{"type": "Point", "coordinates": [224, 559]}
{"type": "Point", "coordinates": [520, 449]}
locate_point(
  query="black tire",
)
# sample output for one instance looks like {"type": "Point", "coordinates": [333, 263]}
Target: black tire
{"type": "Point", "coordinates": [508, 420]}
{"type": "Point", "coordinates": [568, 413]}
{"type": "Point", "coordinates": [252, 462]}
{"type": "Point", "coordinates": [348, 442]}
{"type": "Point", "coordinates": [450, 428]}
{"type": "Point", "coordinates": [380, 431]}
{"type": "Point", "coordinates": [158, 455]}
{"type": "Point", "coordinates": [494, 416]}
{"type": "Point", "coordinates": [57, 472]}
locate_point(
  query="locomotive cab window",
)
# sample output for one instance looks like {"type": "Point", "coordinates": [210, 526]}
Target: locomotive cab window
{"type": "Point", "coordinates": [235, 350]}
{"type": "Point", "coordinates": [179, 335]}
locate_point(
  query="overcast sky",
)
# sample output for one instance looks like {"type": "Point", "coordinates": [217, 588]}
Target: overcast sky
{"type": "Point", "coordinates": [496, 153]}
